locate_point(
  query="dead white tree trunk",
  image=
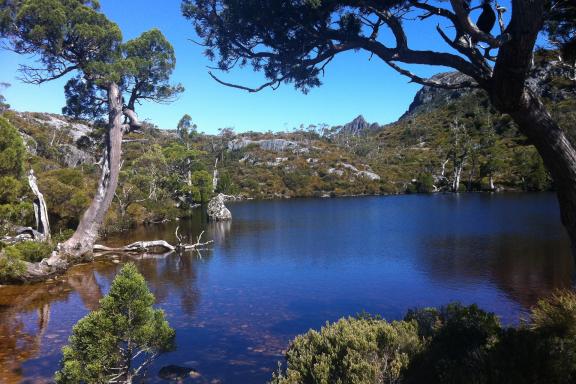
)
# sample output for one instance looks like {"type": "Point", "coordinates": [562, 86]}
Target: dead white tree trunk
{"type": "Point", "coordinates": [215, 176]}
{"type": "Point", "coordinates": [40, 208]}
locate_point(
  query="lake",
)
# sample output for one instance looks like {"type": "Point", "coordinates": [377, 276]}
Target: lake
{"type": "Point", "coordinates": [283, 267]}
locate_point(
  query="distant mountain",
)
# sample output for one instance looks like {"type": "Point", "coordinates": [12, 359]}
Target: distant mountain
{"type": "Point", "coordinates": [549, 77]}
{"type": "Point", "coordinates": [429, 98]}
{"type": "Point", "coordinates": [357, 127]}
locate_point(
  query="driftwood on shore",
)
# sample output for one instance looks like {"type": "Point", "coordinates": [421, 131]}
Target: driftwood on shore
{"type": "Point", "coordinates": [154, 246]}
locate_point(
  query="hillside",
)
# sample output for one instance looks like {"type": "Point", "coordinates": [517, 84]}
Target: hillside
{"type": "Point", "coordinates": [444, 137]}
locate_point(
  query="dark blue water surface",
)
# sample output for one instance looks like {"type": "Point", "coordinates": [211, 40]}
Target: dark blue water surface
{"type": "Point", "coordinates": [283, 267]}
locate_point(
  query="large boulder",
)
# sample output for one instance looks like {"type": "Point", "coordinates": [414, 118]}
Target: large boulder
{"type": "Point", "coordinates": [217, 211]}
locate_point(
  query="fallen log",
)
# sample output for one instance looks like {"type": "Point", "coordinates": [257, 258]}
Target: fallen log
{"type": "Point", "coordinates": [155, 246]}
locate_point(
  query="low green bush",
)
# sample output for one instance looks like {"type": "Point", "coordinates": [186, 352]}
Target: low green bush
{"type": "Point", "coordinates": [34, 251]}
{"type": "Point", "coordinates": [454, 344]}
{"type": "Point", "coordinates": [352, 350]}
{"type": "Point", "coordinates": [11, 264]}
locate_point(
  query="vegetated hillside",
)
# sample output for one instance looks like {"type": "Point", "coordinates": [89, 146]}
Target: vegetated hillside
{"type": "Point", "coordinates": [444, 136]}
{"type": "Point", "coordinates": [165, 172]}
{"type": "Point", "coordinates": [446, 133]}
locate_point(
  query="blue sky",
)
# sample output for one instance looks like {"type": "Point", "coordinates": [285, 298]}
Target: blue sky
{"type": "Point", "coordinates": [353, 84]}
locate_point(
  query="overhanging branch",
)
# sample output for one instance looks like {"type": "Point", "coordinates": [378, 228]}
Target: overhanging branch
{"type": "Point", "coordinates": [430, 82]}
{"type": "Point", "coordinates": [272, 84]}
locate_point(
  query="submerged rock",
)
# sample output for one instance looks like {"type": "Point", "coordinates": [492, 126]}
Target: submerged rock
{"type": "Point", "coordinates": [177, 373]}
{"type": "Point", "coordinates": [217, 211]}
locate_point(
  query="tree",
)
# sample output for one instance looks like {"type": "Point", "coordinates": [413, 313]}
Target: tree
{"type": "Point", "coordinates": [116, 342]}
{"type": "Point", "coordinates": [73, 36]}
{"type": "Point", "coordinates": [460, 148]}
{"type": "Point", "coordinates": [186, 129]}
{"type": "Point", "coordinates": [560, 26]}
{"type": "Point", "coordinates": [296, 41]}
{"type": "Point", "coordinates": [3, 105]}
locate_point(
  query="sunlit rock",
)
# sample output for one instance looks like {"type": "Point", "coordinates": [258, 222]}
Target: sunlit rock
{"type": "Point", "coordinates": [217, 211]}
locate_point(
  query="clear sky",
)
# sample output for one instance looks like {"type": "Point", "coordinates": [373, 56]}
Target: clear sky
{"type": "Point", "coordinates": [353, 84]}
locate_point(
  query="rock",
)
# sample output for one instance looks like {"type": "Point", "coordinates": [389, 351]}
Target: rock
{"type": "Point", "coordinates": [273, 145]}
{"type": "Point", "coordinates": [428, 98]}
{"type": "Point", "coordinates": [217, 211]}
{"type": "Point", "coordinates": [73, 157]}
{"type": "Point", "coordinates": [75, 130]}
{"type": "Point", "coordinates": [371, 175]}
{"type": "Point", "coordinates": [357, 127]}
{"type": "Point", "coordinates": [177, 373]}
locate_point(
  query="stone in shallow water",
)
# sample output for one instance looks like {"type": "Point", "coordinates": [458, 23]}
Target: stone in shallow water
{"type": "Point", "coordinates": [217, 211]}
{"type": "Point", "coordinates": [177, 373]}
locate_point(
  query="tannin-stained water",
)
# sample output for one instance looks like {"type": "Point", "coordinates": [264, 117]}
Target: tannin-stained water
{"type": "Point", "coordinates": [282, 267]}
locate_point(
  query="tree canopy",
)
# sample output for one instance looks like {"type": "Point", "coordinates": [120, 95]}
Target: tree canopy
{"type": "Point", "coordinates": [70, 36]}
{"type": "Point", "coordinates": [105, 344]}
{"type": "Point", "coordinates": [295, 41]}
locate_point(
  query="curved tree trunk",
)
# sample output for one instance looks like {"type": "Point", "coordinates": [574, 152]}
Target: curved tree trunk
{"type": "Point", "coordinates": [558, 153]}
{"type": "Point", "coordinates": [510, 94]}
{"type": "Point", "coordinates": [81, 243]}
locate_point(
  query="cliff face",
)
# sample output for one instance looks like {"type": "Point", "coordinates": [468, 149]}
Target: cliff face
{"type": "Point", "coordinates": [550, 77]}
{"type": "Point", "coordinates": [430, 98]}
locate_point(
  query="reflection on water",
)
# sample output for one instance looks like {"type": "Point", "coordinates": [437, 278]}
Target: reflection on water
{"type": "Point", "coordinates": [282, 267]}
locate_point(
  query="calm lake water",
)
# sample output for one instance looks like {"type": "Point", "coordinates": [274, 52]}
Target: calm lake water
{"type": "Point", "coordinates": [282, 267]}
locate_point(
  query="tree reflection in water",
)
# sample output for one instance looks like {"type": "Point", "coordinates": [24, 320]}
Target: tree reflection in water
{"type": "Point", "coordinates": [25, 313]}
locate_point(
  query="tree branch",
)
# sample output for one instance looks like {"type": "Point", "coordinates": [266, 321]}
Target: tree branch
{"type": "Point", "coordinates": [429, 82]}
{"type": "Point", "coordinates": [466, 25]}
{"type": "Point", "coordinates": [272, 84]}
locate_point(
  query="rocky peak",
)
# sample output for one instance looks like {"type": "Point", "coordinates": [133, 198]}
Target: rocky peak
{"type": "Point", "coordinates": [549, 77]}
{"type": "Point", "coordinates": [358, 126]}
{"type": "Point", "coordinates": [429, 98]}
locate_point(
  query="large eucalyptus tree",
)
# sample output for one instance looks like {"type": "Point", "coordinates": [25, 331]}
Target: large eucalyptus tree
{"type": "Point", "coordinates": [294, 41]}
{"type": "Point", "coordinates": [112, 76]}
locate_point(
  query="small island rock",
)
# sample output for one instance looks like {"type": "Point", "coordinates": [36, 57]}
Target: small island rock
{"type": "Point", "coordinates": [217, 211]}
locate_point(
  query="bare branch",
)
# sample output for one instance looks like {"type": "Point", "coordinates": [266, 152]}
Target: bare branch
{"type": "Point", "coordinates": [272, 84]}
{"type": "Point", "coordinates": [429, 82]}
{"type": "Point", "coordinates": [41, 75]}
{"type": "Point", "coordinates": [465, 24]}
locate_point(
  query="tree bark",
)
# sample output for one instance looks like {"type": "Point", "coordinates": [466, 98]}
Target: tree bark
{"type": "Point", "coordinates": [558, 153]}
{"type": "Point", "coordinates": [510, 94]}
{"type": "Point", "coordinates": [40, 209]}
{"type": "Point", "coordinates": [80, 245]}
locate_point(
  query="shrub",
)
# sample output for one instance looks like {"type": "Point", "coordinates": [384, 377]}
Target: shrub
{"type": "Point", "coordinates": [352, 350]}
{"type": "Point", "coordinates": [10, 189]}
{"type": "Point", "coordinates": [34, 251]}
{"type": "Point", "coordinates": [460, 342]}
{"type": "Point", "coordinates": [12, 150]}
{"type": "Point", "coordinates": [115, 342]}
{"type": "Point", "coordinates": [553, 321]}
{"type": "Point", "coordinates": [11, 264]}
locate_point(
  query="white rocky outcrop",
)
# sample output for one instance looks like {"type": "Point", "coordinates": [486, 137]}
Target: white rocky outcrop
{"type": "Point", "coordinates": [274, 145]}
{"type": "Point", "coordinates": [217, 211]}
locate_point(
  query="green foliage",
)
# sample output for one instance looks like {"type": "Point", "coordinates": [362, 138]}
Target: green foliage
{"type": "Point", "coordinates": [21, 213]}
{"type": "Point", "coordinates": [33, 251]}
{"type": "Point", "coordinates": [453, 344]}
{"type": "Point", "coordinates": [424, 184]}
{"type": "Point", "coordinates": [104, 344]}
{"type": "Point", "coordinates": [11, 264]}
{"type": "Point", "coordinates": [352, 350]}
{"type": "Point", "coordinates": [560, 25]}
{"type": "Point", "coordinates": [12, 150]}
{"type": "Point", "coordinates": [201, 190]}
{"type": "Point", "coordinates": [149, 61]}
{"type": "Point", "coordinates": [11, 189]}
{"type": "Point", "coordinates": [65, 191]}
{"type": "Point", "coordinates": [460, 340]}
